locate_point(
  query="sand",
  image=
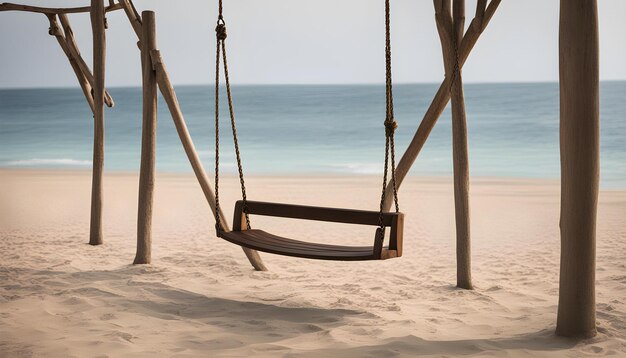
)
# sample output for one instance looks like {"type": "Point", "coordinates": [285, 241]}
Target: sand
{"type": "Point", "coordinates": [200, 297]}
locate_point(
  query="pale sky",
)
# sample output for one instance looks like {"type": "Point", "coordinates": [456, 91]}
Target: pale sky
{"type": "Point", "coordinates": [297, 41]}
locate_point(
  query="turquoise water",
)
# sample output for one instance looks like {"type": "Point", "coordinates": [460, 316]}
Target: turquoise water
{"type": "Point", "coordinates": [513, 129]}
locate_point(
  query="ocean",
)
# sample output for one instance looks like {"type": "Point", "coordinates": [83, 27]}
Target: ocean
{"type": "Point", "coordinates": [311, 129]}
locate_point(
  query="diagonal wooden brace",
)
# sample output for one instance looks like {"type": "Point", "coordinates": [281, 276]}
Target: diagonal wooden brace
{"type": "Point", "coordinates": [439, 102]}
{"type": "Point", "coordinates": [75, 53]}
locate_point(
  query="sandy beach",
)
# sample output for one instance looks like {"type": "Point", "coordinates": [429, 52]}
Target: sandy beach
{"type": "Point", "coordinates": [60, 296]}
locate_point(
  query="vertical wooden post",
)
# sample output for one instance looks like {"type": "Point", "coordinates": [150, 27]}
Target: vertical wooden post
{"type": "Point", "coordinates": [460, 157]}
{"type": "Point", "coordinates": [580, 161]}
{"type": "Point", "coordinates": [99, 53]}
{"type": "Point", "coordinates": [169, 95]}
{"type": "Point", "coordinates": [148, 142]}
{"type": "Point", "coordinates": [450, 27]}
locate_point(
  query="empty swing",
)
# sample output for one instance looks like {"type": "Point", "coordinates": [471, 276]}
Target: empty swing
{"type": "Point", "coordinates": [243, 235]}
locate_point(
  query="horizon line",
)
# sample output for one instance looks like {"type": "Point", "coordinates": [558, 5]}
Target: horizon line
{"type": "Point", "coordinates": [306, 84]}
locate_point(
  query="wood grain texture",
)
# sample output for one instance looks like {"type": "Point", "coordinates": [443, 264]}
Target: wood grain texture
{"type": "Point", "coordinates": [99, 54]}
{"type": "Point", "coordinates": [55, 31]}
{"type": "Point", "coordinates": [133, 17]}
{"type": "Point", "coordinates": [450, 28]}
{"type": "Point", "coordinates": [75, 53]}
{"type": "Point", "coordinates": [148, 142]}
{"type": "Point", "coordinates": [580, 165]}
{"type": "Point", "coordinates": [317, 213]}
{"type": "Point", "coordinates": [460, 154]}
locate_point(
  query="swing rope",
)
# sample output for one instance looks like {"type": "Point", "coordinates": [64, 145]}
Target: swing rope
{"type": "Point", "coordinates": [390, 124]}
{"type": "Point", "coordinates": [390, 128]}
{"type": "Point", "coordinates": [220, 34]}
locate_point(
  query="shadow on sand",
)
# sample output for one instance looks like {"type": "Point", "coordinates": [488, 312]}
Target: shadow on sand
{"type": "Point", "coordinates": [136, 290]}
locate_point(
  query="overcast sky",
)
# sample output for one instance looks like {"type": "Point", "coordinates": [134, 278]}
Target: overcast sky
{"type": "Point", "coordinates": [298, 41]}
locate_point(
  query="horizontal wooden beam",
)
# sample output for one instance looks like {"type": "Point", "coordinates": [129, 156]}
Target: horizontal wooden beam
{"type": "Point", "coordinates": [317, 213]}
{"type": "Point", "coordinates": [50, 10]}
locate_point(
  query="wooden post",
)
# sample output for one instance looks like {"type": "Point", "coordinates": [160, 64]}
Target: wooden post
{"type": "Point", "coordinates": [99, 53]}
{"type": "Point", "coordinates": [460, 154]}
{"type": "Point", "coordinates": [148, 143]}
{"type": "Point", "coordinates": [439, 102]}
{"type": "Point", "coordinates": [461, 160]}
{"type": "Point", "coordinates": [167, 90]}
{"type": "Point", "coordinates": [580, 162]}
{"type": "Point", "coordinates": [450, 30]}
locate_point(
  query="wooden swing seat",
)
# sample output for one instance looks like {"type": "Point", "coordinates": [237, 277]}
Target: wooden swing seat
{"type": "Point", "coordinates": [263, 241]}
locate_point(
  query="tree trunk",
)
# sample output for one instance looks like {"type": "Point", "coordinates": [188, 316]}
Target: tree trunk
{"type": "Point", "coordinates": [99, 53]}
{"type": "Point", "coordinates": [450, 29]}
{"type": "Point", "coordinates": [148, 142]}
{"type": "Point", "coordinates": [460, 156]}
{"type": "Point", "coordinates": [580, 159]}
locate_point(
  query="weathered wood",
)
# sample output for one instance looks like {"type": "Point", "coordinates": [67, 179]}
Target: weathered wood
{"type": "Point", "coordinates": [49, 10]}
{"type": "Point", "coordinates": [450, 29]}
{"type": "Point", "coordinates": [167, 90]}
{"type": "Point", "coordinates": [460, 154]}
{"type": "Point", "coordinates": [438, 103]}
{"type": "Point", "coordinates": [63, 43]}
{"type": "Point", "coordinates": [148, 142]}
{"type": "Point", "coordinates": [264, 241]}
{"type": "Point", "coordinates": [99, 53]}
{"type": "Point", "coordinates": [580, 164]}
{"type": "Point", "coordinates": [133, 17]}
{"type": "Point", "coordinates": [397, 232]}
{"type": "Point", "coordinates": [75, 54]}
{"type": "Point", "coordinates": [316, 213]}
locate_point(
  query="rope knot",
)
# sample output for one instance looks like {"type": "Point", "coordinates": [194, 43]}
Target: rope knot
{"type": "Point", "coordinates": [390, 126]}
{"type": "Point", "coordinates": [220, 31]}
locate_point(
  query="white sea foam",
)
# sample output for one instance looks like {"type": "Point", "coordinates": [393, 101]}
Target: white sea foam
{"type": "Point", "coordinates": [49, 162]}
{"type": "Point", "coordinates": [358, 168]}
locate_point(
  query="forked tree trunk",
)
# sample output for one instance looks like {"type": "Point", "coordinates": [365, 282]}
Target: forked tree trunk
{"type": "Point", "coordinates": [450, 25]}
{"type": "Point", "coordinates": [148, 142]}
{"type": "Point", "coordinates": [580, 159]}
{"type": "Point", "coordinates": [439, 102]}
{"type": "Point", "coordinates": [99, 53]}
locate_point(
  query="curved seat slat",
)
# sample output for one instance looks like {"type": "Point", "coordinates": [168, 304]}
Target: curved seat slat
{"type": "Point", "coordinates": [266, 242]}
{"type": "Point", "coordinates": [290, 243]}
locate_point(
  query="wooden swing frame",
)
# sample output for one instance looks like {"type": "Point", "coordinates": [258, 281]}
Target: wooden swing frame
{"type": "Point", "coordinates": [579, 82]}
{"type": "Point", "coordinates": [97, 97]}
